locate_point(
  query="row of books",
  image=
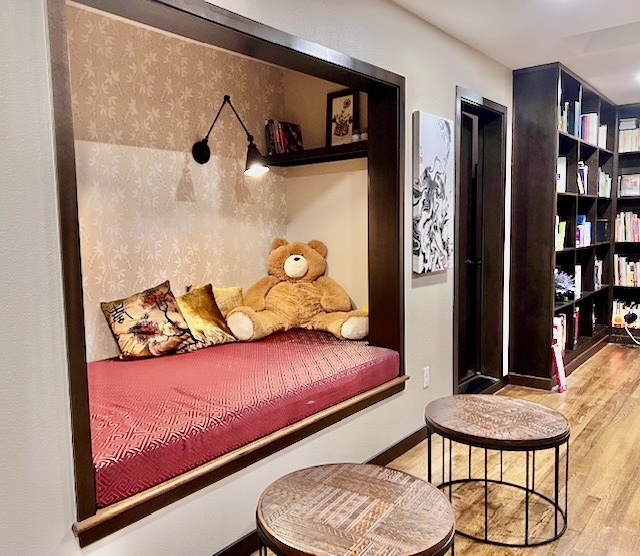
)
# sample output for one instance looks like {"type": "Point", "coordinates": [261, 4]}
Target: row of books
{"type": "Point", "coordinates": [560, 333]}
{"type": "Point", "coordinates": [589, 128]}
{"type": "Point", "coordinates": [627, 227]}
{"type": "Point", "coordinates": [604, 180]}
{"type": "Point", "coordinates": [627, 273]}
{"type": "Point", "coordinates": [629, 185]}
{"type": "Point", "coordinates": [604, 183]}
{"type": "Point", "coordinates": [569, 114]}
{"type": "Point", "coordinates": [629, 135]}
{"type": "Point", "coordinates": [622, 308]}
{"type": "Point", "coordinates": [583, 231]}
{"type": "Point", "coordinates": [282, 137]}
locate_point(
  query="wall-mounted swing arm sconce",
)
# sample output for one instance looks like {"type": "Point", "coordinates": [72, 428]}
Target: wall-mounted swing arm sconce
{"type": "Point", "coordinates": [254, 166]}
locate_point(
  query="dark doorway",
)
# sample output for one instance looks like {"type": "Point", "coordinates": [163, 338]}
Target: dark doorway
{"type": "Point", "coordinates": [479, 271]}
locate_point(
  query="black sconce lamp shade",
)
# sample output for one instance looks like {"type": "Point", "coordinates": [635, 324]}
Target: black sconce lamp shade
{"type": "Point", "coordinates": [201, 151]}
{"type": "Point", "coordinates": [254, 166]}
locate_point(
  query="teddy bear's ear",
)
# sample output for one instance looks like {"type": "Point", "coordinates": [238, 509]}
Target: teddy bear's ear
{"type": "Point", "coordinates": [318, 246]}
{"type": "Point", "coordinates": [278, 242]}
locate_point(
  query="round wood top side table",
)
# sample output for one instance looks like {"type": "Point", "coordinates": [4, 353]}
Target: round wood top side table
{"type": "Point", "coordinates": [349, 509]}
{"type": "Point", "coordinates": [501, 424]}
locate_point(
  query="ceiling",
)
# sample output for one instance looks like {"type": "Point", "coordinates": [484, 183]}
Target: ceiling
{"type": "Point", "coordinates": [598, 39]}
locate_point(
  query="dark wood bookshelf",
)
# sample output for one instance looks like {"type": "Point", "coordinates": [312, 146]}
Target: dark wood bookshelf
{"type": "Point", "coordinates": [347, 151]}
{"type": "Point", "coordinates": [537, 143]}
{"type": "Point", "coordinates": [628, 163]}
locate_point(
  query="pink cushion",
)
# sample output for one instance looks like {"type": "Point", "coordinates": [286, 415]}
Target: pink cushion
{"type": "Point", "coordinates": [156, 418]}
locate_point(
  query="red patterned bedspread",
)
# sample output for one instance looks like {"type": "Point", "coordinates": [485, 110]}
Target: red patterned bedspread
{"type": "Point", "coordinates": [156, 418]}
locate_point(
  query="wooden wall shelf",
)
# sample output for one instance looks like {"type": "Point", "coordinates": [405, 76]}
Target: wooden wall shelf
{"type": "Point", "coordinates": [347, 151]}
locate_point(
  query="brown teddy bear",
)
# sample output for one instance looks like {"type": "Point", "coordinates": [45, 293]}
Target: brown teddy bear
{"type": "Point", "coordinates": [295, 294]}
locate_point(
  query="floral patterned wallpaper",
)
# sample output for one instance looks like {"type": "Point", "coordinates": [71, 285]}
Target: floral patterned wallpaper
{"type": "Point", "coordinates": [148, 211]}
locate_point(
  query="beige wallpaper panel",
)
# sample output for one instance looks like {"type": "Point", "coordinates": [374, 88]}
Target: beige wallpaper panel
{"type": "Point", "coordinates": [148, 212]}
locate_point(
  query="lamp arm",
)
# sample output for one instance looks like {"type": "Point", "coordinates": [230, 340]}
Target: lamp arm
{"type": "Point", "coordinates": [227, 100]}
{"type": "Point", "coordinates": [249, 136]}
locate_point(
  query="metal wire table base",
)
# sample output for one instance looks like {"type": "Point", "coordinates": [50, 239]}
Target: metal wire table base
{"type": "Point", "coordinates": [529, 490]}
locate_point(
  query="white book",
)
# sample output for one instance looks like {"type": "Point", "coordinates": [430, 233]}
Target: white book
{"type": "Point", "coordinates": [578, 282]}
{"type": "Point", "coordinates": [602, 136]}
{"type": "Point", "coordinates": [561, 176]}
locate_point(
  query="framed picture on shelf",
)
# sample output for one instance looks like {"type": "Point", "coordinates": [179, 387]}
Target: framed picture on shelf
{"type": "Point", "coordinates": [342, 116]}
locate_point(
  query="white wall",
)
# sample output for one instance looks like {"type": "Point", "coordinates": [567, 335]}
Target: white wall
{"type": "Point", "coordinates": [37, 505]}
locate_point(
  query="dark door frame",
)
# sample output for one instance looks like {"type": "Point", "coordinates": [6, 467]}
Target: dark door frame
{"type": "Point", "coordinates": [496, 235]}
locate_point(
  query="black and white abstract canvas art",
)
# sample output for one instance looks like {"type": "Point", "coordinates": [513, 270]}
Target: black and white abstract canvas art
{"type": "Point", "coordinates": [432, 193]}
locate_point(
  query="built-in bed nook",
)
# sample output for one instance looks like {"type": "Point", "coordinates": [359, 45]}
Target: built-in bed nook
{"type": "Point", "coordinates": [136, 83]}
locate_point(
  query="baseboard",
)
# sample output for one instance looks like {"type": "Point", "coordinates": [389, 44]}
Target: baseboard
{"type": "Point", "coordinates": [530, 381]}
{"type": "Point", "coordinates": [575, 363]}
{"type": "Point", "coordinates": [395, 451]}
{"type": "Point", "coordinates": [249, 543]}
{"type": "Point", "coordinates": [242, 547]}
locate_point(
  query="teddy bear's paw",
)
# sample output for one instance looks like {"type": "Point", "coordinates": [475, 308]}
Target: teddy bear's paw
{"type": "Point", "coordinates": [241, 326]}
{"type": "Point", "coordinates": [355, 328]}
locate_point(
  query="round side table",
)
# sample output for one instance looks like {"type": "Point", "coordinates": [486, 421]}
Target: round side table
{"type": "Point", "coordinates": [349, 509]}
{"type": "Point", "coordinates": [502, 424]}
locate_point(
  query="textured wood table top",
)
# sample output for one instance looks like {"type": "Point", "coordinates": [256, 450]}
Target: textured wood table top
{"type": "Point", "coordinates": [497, 422]}
{"type": "Point", "coordinates": [354, 509]}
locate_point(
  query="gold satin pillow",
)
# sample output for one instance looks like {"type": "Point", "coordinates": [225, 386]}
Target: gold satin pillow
{"type": "Point", "coordinates": [228, 299]}
{"type": "Point", "coordinates": [204, 318]}
{"type": "Point", "coordinates": [147, 323]}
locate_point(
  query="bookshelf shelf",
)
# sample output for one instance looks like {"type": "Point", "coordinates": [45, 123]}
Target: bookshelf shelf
{"type": "Point", "coordinates": [633, 154]}
{"type": "Point", "coordinates": [322, 154]}
{"type": "Point", "coordinates": [548, 100]}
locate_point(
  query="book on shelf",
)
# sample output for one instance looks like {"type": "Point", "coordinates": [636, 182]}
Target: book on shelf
{"type": "Point", "coordinates": [576, 325]}
{"type": "Point", "coordinates": [602, 136]}
{"type": "Point", "coordinates": [589, 128]}
{"type": "Point", "coordinates": [628, 123]}
{"type": "Point", "coordinates": [561, 232]}
{"type": "Point", "coordinates": [626, 272]}
{"type": "Point", "coordinates": [561, 175]}
{"type": "Point", "coordinates": [629, 135]}
{"type": "Point", "coordinates": [629, 185]}
{"type": "Point", "coordinates": [583, 231]}
{"type": "Point", "coordinates": [558, 368]}
{"type": "Point", "coordinates": [577, 280]}
{"type": "Point", "coordinates": [282, 137]}
{"type": "Point", "coordinates": [597, 274]}
{"type": "Point", "coordinates": [604, 184]}
{"type": "Point", "coordinates": [583, 175]}
{"type": "Point", "coordinates": [560, 330]}
{"type": "Point", "coordinates": [627, 227]}
{"type": "Point", "coordinates": [620, 309]}
{"type": "Point", "coordinates": [602, 230]}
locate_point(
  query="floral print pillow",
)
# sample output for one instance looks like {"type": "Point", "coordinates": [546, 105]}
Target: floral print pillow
{"type": "Point", "coordinates": [148, 323]}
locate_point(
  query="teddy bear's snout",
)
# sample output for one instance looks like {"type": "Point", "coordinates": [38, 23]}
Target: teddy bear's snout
{"type": "Point", "coordinates": [296, 266]}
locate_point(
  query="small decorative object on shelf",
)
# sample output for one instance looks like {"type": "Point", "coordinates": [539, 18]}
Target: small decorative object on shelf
{"type": "Point", "coordinates": [342, 116]}
{"type": "Point", "coordinates": [565, 286]}
{"type": "Point", "coordinates": [355, 136]}
{"type": "Point", "coordinates": [364, 135]}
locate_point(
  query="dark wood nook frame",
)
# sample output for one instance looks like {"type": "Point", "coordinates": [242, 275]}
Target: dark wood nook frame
{"type": "Point", "coordinates": [198, 20]}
